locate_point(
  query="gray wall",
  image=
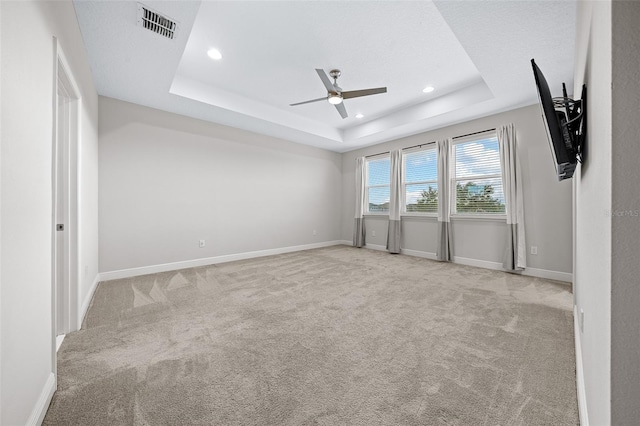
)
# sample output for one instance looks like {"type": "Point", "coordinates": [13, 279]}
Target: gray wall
{"type": "Point", "coordinates": [547, 203]}
{"type": "Point", "coordinates": [592, 203]}
{"type": "Point", "coordinates": [625, 232]}
{"type": "Point", "coordinates": [26, 342]}
{"type": "Point", "coordinates": [168, 181]}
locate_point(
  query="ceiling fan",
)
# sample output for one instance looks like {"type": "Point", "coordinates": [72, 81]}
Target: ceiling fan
{"type": "Point", "coordinates": [335, 95]}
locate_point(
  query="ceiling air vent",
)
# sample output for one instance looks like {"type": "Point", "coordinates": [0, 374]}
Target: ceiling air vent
{"type": "Point", "coordinates": [153, 21]}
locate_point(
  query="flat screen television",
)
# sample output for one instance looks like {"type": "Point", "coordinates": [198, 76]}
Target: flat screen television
{"type": "Point", "coordinates": [564, 120]}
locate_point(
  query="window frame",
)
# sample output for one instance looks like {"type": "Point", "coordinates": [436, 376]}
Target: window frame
{"type": "Point", "coordinates": [404, 183]}
{"type": "Point", "coordinates": [367, 160]}
{"type": "Point", "coordinates": [453, 194]}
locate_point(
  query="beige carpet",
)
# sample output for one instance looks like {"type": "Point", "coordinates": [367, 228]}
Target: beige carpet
{"type": "Point", "coordinates": [333, 336]}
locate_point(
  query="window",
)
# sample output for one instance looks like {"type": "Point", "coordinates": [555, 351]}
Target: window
{"type": "Point", "coordinates": [420, 181]}
{"type": "Point", "coordinates": [378, 184]}
{"type": "Point", "coordinates": [478, 176]}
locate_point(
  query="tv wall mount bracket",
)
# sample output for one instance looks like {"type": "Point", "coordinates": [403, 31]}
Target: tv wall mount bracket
{"type": "Point", "coordinates": [575, 124]}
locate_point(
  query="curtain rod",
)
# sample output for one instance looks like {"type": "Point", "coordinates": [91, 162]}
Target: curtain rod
{"type": "Point", "coordinates": [474, 133]}
{"type": "Point", "coordinates": [373, 155]}
{"type": "Point", "coordinates": [419, 146]}
{"type": "Point", "coordinates": [409, 147]}
{"type": "Point", "coordinates": [432, 142]}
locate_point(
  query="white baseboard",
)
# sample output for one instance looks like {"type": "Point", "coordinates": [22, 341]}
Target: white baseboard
{"type": "Point", "coordinates": [497, 266]}
{"type": "Point", "coordinates": [59, 340]}
{"type": "Point", "coordinates": [530, 272]}
{"type": "Point", "coordinates": [549, 275]}
{"type": "Point", "coordinates": [42, 405]}
{"type": "Point", "coordinates": [87, 300]}
{"type": "Point", "coordinates": [418, 253]}
{"type": "Point", "coordinates": [415, 253]}
{"type": "Point", "coordinates": [582, 396]}
{"type": "Point", "coordinates": [153, 269]}
{"type": "Point", "coordinates": [478, 263]}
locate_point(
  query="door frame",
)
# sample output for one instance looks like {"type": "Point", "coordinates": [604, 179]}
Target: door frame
{"type": "Point", "coordinates": [64, 81]}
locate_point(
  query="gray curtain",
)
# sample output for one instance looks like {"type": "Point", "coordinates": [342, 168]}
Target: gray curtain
{"type": "Point", "coordinates": [358, 226]}
{"type": "Point", "coordinates": [444, 251]}
{"type": "Point", "coordinates": [516, 249]}
{"type": "Point", "coordinates": [395, 199]}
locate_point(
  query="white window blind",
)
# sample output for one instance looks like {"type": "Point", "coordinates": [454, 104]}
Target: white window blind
{"type": "Point", "coordinates": [420, 181]}
{"type": "Point", "coordinates": [478, 176]}
{"type": "Point", "coordinates": [378, 184]}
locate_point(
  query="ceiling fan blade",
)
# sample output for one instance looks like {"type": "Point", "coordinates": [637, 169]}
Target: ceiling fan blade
{"type": "Point", "coordinates": [325, 80]}
{"type": "Point", "coordinates": [342, 110]}
{"type": "Point", "coordinates": [308, 102]}
{"type": "Point", "coordinates": [366, 92]}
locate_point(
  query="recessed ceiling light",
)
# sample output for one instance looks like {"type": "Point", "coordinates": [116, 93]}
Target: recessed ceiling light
{"type": "Point", "coordinates": [359, 115]}
{"type": "Point", "coordinates": [428, 89]}
{"type": "Point", "coordinates": [214, 54]}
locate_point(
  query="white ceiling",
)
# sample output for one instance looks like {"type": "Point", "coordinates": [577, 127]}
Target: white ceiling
{"type": "Point", "coordinates": [475, 53]}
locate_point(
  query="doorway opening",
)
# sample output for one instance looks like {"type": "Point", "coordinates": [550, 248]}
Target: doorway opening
{"type": "Point", "coordinates": [65, 199]}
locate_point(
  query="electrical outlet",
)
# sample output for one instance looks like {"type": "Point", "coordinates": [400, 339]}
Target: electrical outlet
{"type": "Point", "coordinates": [315, 232]}
{"type": "Point", "coordinates": [373, 233]}
{"type": "Point", "coordinates": [86, 270]}
{"type": "Point", "coordinates": [534, 249]}
{"type": "Point", "coordinates": [201, 243]}
{"type": "Point", "coordinates": [581, 320]}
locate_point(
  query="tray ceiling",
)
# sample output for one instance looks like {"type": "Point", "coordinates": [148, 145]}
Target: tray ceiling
{"type": "Point", "coordinates": [475, 54]}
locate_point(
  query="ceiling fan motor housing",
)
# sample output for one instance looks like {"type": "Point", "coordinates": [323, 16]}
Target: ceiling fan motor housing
{"type": "Point", "coordinates": [335, 95]}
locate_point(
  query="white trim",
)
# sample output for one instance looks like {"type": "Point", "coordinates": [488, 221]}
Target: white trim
{"type": "Point", "coordinates": [87, 299]}
{"type": "Point", "coordinates": [478, 263]}
{"type": "Point", "coordinates": [530, 272]}
{"type": "Point", "coordinates": [418, 253]}
{"type": "Point", "coordinates": [566, 277]}
{"type": "Point", "coordinates": [64, 80]}
{"type": "Point", "coordinates": [407, 252]}
{"type": "Point", "coordinates": [59, 340]}
{"type": "Point", "coordinates": [152, 269]}
{"type": "Point", "coordinates": [42, 405]}
{"type": "Point", "coordinates": [486, 264]}
{"type": "Point", "coordinates": [582, 395]}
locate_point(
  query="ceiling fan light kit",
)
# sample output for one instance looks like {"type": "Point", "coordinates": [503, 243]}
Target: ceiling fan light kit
{"type": "Point", "coordinates": [335, 95]}
{"type": "Point", "coordinates": [334, 98]}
